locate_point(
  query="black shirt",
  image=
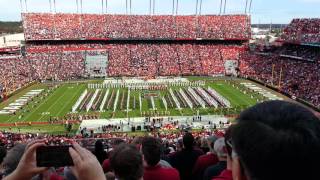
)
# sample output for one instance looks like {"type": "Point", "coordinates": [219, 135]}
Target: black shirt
{"type": "Point", "coordinates": [214, 170]}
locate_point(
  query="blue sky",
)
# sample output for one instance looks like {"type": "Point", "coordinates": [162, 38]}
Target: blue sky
{"type": "Point", "coordinates": [263, 11]}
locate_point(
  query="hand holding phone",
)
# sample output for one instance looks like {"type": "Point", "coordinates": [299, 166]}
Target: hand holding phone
{"type": "Point", "coordinates": [86, 166]}
{"type": "Point", "coordinates": [27, 167]}
{"type": "Point", "coordinates": [53, 156]}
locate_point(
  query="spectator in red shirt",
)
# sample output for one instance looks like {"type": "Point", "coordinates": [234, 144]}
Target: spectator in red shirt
{"type": "Point", "coordinates": [106, 163]}
{"type": "Point", "coordinates": [206, 160]}
{"type": "Point", "coordinates": [151, 150]}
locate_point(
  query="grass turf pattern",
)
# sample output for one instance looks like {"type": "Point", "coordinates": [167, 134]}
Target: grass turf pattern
{"type": "Point", "coordinates": [60, 99]}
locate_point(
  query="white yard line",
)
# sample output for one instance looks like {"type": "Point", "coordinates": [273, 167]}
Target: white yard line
{"type": "Point", "coordinates": [48, 110]}
{"type": "Point", "coordinates": [44, 101]}
{"type": "Point", "coordinates": [68, 103]}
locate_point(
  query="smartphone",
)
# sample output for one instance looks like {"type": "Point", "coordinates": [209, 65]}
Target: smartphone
{"type": "Point", "coordinates": [53, 156]}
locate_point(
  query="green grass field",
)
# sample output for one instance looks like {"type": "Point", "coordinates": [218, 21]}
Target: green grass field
{"type": "Point", "coordinates": [57, 101]}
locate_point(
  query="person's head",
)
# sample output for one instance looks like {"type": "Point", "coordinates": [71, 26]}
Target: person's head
{"type": "Point", "coordinates": [276, 140]}
{"type": "Point", "coordinates": [99, 146]}
{"type": "Point", "coordinates": [3, 153]}
{"type": "Point", "coordinates": [110, 176]}
{"type": "Point", "coordinates": [210, 141]}
{"type": "Point", "coordinates": [117, 141]}
{"type": "Point", "coordinates": [220, 149]}
{"type": "Point", "coordinates": [151, 151]}
{"type": "Point", "coordinates": [137, 141]}
{"type": "Point", "coordinates": [179, 145]}
{"type": "Point", "coordinates": [227, 140]}
{"type": "Point", "coordinates": [188, 141]}
{"type": "Point", "coordinates": [126, 162]}
{"type": "Point", "coordinates": [12, 159]}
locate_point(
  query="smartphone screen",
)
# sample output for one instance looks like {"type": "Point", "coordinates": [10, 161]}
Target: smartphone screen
{"type": "Point", "coordinates": [53, 156]}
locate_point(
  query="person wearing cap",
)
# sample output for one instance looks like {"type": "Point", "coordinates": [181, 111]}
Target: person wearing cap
{"type": "Point", "coordinates": [206, 160]}
{"type": "Point", "coordinates": [227, 173]}
{"type": "Point", "coordinates": [215, 170]}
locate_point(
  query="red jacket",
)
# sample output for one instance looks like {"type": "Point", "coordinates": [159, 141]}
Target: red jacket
{"type": "Point", "coordinates": [202, 163]}
{"type": "Point", "coordinates": [106, 166]}
{"type": "Point", "coordinates": [225, 175]}
{"type": "Point", "coordinates": [159, 173]}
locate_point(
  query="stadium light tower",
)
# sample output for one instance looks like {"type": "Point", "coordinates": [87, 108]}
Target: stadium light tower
{"type": "Point", "coordinates": [197, 7]}
{"type": "Point", "coordinates": [54, 5]}
{"type": "Point", "coordinates": [250, 4]}
{"type": "Point", "coordinates": [149, 7]}
{"type": "Point", "coordinates": [21, 6]}
{"type": "Point", "coordinates": [177, 7]}
{"type": "Point", "coordinates": [130, 6]}
{"type": "Point", "coordinates": [220, 7]}
{"type": "Point", "coordinates": [106, 6]}
{"type": "Point", "coordinates": [154, 5]}
{"type": "Point", "coordinates": [50, 6]}
{"type": "Point", "coordinates": [200, 7]}
{"type": "Point", "coordinates": [25, 3]}
{"type": "Point", "coordinates": [102, 5]}
{"type": "Point", "coordinates": [245, 10]}
{"type": "Point", "coordinates": [77, 6]}
{"type": "Point", "coordinates": [225, 5]}
{"type": "Point", "coordinates": [126, 6]}
{"type": "Point", "coordinates": [172, 7]}
{"type": "Point", "coordinates": [81, 6]}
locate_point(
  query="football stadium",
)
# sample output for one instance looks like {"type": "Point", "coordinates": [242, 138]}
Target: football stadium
{"type": "Point", "coordinates": [154, 95]}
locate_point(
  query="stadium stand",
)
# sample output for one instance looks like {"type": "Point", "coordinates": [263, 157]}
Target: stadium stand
{"type": "Point", "coordinates": [133, 59]}
{"type": "Point", "coordinates": [303, 31]}
{"type": "Point", "coordinates": [47, 58]}
{"type": "Point", "coordinates": [56, 50]}
{"type": "Point", "coordinates": [46, 26]}
{"type": "Point", "coordinates": [297, 78]}
{"type": "Point", "coordinates": [15, 73]}
{"type": "Point", "coordinates": [301, 52]}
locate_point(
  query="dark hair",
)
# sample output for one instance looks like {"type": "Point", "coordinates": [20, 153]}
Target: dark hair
{"type": "Point", "coordinates": [228, 140]}
{"type": "Point", "coordinates": [151, 150]}
{"type": "Point", "coordinates": [126, 161]}
{"type": "Point", "coordinates": [188, 140]}
{"type": "Point", "coordinates": [12, 159]}
{"type": "Point", "coordinates": [98, 146]}
{"type": "Point", "coordinates": [3, 153]}
{"type": "Point", "coordinates": [117, 141]}
{"type": "Point", "coordinates": [278, 140]}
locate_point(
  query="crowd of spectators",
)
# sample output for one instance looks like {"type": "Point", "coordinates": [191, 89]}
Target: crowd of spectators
{"type": "Point", "coordinates": [147, 60]}
{"type": "Point", "coordinates": [308, 53]}
{"type": "Point", "coordinates": [14, 74]}
{"type": "Point", "coordinates": [40, 26]}
{"type": "Point", "coordinates": [289, 132]}
{"type": "Point", "coordinates": [303, 31]}
{"type": "Point", "coordinates": [67, 61]}
{"type": "Point", "coordinates": [298, 78]}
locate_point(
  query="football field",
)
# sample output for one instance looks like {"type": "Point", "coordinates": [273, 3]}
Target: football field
{"type": "Point", "coordinates": [57, 101]}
